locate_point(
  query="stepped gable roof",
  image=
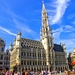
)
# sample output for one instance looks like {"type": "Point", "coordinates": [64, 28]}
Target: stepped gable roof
{"type": "Point", "coordinates": [58, 48]}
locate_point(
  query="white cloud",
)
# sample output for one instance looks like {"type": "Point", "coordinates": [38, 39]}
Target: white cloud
{"type": "Point", "coordinates": [56, 34]}
{"type": "Point", "coordinates": [71, 16]}
{"type": "Point", "coordinates": [60, 8]}
{"type": "Point", "coordinates": [68, 28]}
{"type": "Point", "coordinates": [18, 22]}
{"type": "Point", "coordinates": [72, 35]}
{"type": "Point", "coordinates": [23, 27]}
{"type": "Point", "coordinates": [64, 28]}
{"type": "Point", "coordinates": [7, 31]}
{"type": "Point", "coordinates": [73, 23]}
{"type": "Point", "coordinates": [70, 42]}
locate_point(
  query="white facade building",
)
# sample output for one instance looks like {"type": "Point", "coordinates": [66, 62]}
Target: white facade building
{"type": "Point", "coordinates": [7, 58]}
{"type": "Point", "coordinates": [4, 55]}
{"type": "Point", "coordinates": [38, 55]}
{"type": "Point", "coordinates": [2, 47]}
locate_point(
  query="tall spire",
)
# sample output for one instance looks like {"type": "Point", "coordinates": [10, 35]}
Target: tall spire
{"type": "Point", "coordinates": [45, 22]}
{"type": "Point", "coordinates": [46, 30]}
{"type": "Point", "coordinates": [45, 33]}
{"type": "Point", "coordinates": [44, 15]}
{"type": "Point", "coordinates": [43, 8]}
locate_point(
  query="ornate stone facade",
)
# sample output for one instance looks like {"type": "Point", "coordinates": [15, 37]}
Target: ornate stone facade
{"type": "Point", "coordinates": [2, 47]}
{"type": "Point", "coordinates": [7, 58]}
{"type": "Point", "coordinates": [71, 59]}
{"type": "Point", "coordinates": [4, 55]}
{"type": "Point", "coordinates": [38, 55]}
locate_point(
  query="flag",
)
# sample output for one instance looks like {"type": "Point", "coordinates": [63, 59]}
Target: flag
{"type": "Point", "coordinates": [51, 48]}
{"type": "Point", "coordinates": [73, 63]}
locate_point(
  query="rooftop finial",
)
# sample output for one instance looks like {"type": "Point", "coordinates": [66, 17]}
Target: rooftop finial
{"type": "Point", "coordinates": [19, 32]}
{"type": "Point", "coordinates": [43, 4]}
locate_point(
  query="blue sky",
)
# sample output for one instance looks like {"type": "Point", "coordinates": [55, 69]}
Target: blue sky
{"type": "Point", "coordinates": [25, 15]}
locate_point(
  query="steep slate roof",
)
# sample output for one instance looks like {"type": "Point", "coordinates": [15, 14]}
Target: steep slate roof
{"type": "Point", "coordinates": [32, 42]}
{"type": "Point", "coordinates": [58, 48]}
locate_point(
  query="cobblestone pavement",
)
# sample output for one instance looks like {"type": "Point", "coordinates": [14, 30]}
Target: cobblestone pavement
{"type": "Point", "coordinates": [59, 74]}
{"type": "Point", "coordinates": [62, 74]}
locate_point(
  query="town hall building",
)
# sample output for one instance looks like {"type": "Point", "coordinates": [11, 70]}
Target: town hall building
{"type": "Point", "coordinates": [38, 55]}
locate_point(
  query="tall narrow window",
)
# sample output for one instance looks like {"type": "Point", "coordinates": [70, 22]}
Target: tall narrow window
{"type": "Point", "coordinates": [21, 62]}
{"type": "Point", "coordinates": [33, 62]}
{"type": "Point", "coordinates": [2, 49]}
{"type": "Point", "coordinates": [30, 62]}
{"type": "Point", "coordinates": [30, 54]}
{"type": "Point", "coordinates": [22, 53]}
{"type": "Point", "coordinates": [24, 62]}
{"type": "Point", "coordinates": [1, 63]}
{"type": "Point", "coordinates": [1, 57]}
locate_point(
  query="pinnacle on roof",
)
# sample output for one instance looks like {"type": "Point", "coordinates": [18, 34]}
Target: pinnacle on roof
{"type": "Point", "coordinates": [19, 32]}
{"type": "Point", "coordinates": [43, 6]}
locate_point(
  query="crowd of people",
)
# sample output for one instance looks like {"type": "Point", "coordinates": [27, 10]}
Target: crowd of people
{"type": "Point", "coordinates": [6, 71]}
{"type": "Point", "coordinates": [43, 72]}
{"type": "Point", "coordinates": [69, 72]}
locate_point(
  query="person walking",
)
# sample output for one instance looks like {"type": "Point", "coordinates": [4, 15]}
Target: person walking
{"type": "Point", "coordinates": [50, 72]}
{"type": "Point", "coordinates": [26, 72]}
{"type": "Point", "coordinates": [23, 71]}
{"type": "Point", "coordinates": [67, 72]}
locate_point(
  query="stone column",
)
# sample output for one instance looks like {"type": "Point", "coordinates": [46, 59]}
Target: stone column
{"type": "Point", "coordinates": [37, 56]}
{"type": "Point", "coordinates": [26, 62]}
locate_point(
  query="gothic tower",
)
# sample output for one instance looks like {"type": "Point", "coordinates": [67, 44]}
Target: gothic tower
{"type": "Point", "coordinates": [17, 46]}
{"type": "Point", "coordinates": [46, 36]}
